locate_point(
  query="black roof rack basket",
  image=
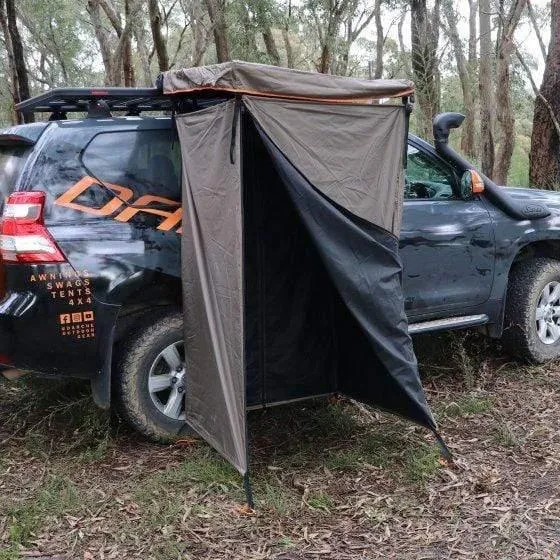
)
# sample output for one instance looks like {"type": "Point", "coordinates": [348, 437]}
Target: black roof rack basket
{"type": "Point", "coordinates": [96, 102]}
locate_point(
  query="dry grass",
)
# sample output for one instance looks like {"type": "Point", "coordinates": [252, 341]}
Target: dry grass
{"type": "Point", "coordinates": [332, 480]}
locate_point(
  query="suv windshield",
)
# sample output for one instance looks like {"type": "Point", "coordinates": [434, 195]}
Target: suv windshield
{"type": "Point", "coordinates": [12, 159]}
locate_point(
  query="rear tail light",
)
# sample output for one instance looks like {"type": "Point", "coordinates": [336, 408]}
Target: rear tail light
{"type": "Point", "coordinates": [23, 235]}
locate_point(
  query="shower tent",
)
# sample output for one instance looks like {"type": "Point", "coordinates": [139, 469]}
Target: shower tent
{"type": "Point", "coordinates": [292, 195]}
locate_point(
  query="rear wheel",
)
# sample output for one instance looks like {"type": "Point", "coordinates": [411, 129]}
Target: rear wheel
{"type": "Point", "coordinates": [532, 316]}
{"type": "Point", "coordinates": [150, 378]}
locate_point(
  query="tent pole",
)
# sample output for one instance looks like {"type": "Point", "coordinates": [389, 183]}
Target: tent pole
{"type": "Point", "coordinates": [236, 113]}
{"type": "Point", "coordinates": [408, 102]}
{"type": "Point", "coordinates": [445, 452]}
{"type": "Point", "coordinates": [248, 490]}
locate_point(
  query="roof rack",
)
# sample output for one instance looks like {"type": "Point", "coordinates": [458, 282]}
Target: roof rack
{"type": "Point", "coordinates": [96, 102]}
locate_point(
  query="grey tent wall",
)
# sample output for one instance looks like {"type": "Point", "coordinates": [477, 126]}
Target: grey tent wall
{"type": "Point", "coordinates": [212, 271]}
{"type": "Point", "coordinates": [351, 153]}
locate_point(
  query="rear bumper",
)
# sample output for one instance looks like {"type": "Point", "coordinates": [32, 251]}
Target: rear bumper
{"type": "Point", "coordinates": [44, 334]}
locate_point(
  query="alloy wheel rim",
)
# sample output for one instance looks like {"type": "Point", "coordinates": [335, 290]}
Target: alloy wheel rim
{"type": "Point", "coordinates": [166, 381]}
{"type": "Point", "coordinates": [547, 314]}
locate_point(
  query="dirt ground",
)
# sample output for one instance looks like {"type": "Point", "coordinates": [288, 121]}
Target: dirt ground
{"type": "Point", "coordinates": [332, 479]}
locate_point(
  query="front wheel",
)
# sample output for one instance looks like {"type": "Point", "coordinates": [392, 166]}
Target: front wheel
{"type": "Point", "coordinates": [150, 378]}
{"type": "Point", "coordinates": [532, 314]}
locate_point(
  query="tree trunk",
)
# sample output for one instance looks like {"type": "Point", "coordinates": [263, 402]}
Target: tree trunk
{"type": "Point", "coordinates": [115, 50]}
{"type": "Point", "coordinates": [544, 169]}
{"type": "Point", "coordinates": [216, 12]}
{"type": "Point", "coordinates": [15, 117]}
{"type": "Point", "coordinates": [379, 41]}
{"type": "Point", "coordinates": [424, 39]}
{"type": "Point", "coordinates": [103, 38]}
{"type": "Point", "coordinates": [157, 35]}
{"type": "Point", "coordinates": [288, 48]}
{"type": "Point", "coordinates": [271, 48]}
{"type": "Point", "coordinates": [128, 66]}
{"type": "Point", "coordinates": [200, 34]}
{"type": "Point", "coordinates": [472, 34]}
{"type": "Point", "coordinates": [20, 69]}
{"type": "Point", "coordinates": [327, 35]}
{"type": "Point", "coordinates": [264, 22]}
{"type": "Point", "coordinates": [248, 39]}
{"type": "Point", "coordinates": [342, 66]}
{"type": "Point", "coordinates": [327, 47]}
{"type": "Point", "coordinates": [467, 130]}
{"type": "Point", "coordinates": [487, 114]}
{"type": "Point", "coordinates": [286, 37]}
{"type": "Point", "coordinates": [143, 54]}
{"type": "Point", "coordinates": [120, 64]}
{"type": "Point", "coordinates": [505, 116]}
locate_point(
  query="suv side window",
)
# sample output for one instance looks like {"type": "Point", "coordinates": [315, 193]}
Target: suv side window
{"type": "Point", "coordinates": [12, 160]}
{"type": "Point", "coordinates": [426, 178]}
{"type": "Point", "coordinates": [147, 161]}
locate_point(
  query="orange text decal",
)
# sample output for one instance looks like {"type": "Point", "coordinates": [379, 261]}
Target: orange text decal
{"type": "Point", "coordinates": [171, 218]}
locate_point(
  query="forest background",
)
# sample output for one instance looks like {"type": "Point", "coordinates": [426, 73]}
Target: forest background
{"type": "Point", "coordinates": [496, 61]}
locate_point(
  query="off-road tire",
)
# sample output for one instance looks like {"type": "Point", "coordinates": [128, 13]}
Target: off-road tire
{"type": "Point", "coordinates": [526, 281]}
{"type": "Point", "coordinates": [130, 376]}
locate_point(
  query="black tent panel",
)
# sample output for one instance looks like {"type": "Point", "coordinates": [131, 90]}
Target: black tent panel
{"type": "Point", "coordinates": [376, 362]}
{"type": "Point", "coordinates": [289, 298]}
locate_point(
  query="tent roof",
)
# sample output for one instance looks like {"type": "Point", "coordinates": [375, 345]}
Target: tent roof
{"type": "Point", "coordinates": [274, 81]}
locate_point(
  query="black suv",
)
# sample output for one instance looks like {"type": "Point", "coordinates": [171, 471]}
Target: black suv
{"type": "Point", "coordinates": [90, 277]}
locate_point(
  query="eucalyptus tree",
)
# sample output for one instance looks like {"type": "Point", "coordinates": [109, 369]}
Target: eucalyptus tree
{"type": "Point", "coordinates": [544, 169]}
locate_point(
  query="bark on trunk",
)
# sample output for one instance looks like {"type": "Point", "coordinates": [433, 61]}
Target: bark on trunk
{"type": "Point", "coordinates": [288, 47]}
{"type": "Point", "coordinates": [103, 37]}
{"type": "Point", "coordinates": [264, 23]}
{"type": "Point", "coordinates": [286, 37]}
{"type": "Point", "coordinates": [379, 40]}
{"type": "Point", "coordinates": [424, 39]}
{"type": "Point", "coordinates": [467, 130]}
{"type": "Point", "coordinates": [473, 7]}
{"type": "Point", "coordinates": [505, 116]}
{"type": "Point", "coordinates": [271, 48]}
{"type": "Point", "coordinates": [216, 12]}
{"type": "Point", "coordinates": [544, 169]}
{"type": "Point", "coordinates": [342, 66]}
{"type": "Point", "coordinates": [157, 35]}
{"type": "Point", "coordinates": [14, 116]}
{"type": "Point", "coordinates": [128, 65]}
{"type": "Point", "coordinates": [20, 68]}
{"type": "Point", "coordinates": [328, 34]}
{"type": "Point", "coordinates": [487, 114]}
{"type": "Point", "coordinates": [200, 34]}
{"type": "Point", "coordinates": [143, 54]}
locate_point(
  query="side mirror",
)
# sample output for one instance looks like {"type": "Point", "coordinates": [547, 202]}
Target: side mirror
{"type": "Point", "coordinates": [471, 184]}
